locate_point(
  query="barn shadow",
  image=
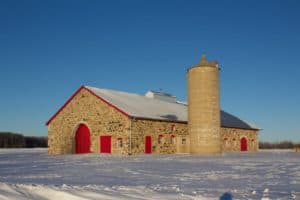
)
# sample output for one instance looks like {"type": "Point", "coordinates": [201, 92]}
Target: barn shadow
{"type": "Point", "coordinates": [170, 117]}
{"type": "Point", "coordinates": [226, 196]}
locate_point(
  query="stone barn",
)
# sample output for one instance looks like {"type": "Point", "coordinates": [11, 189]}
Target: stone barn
{"type": "Point", "coordinates": [107, 121]}
{"type": "Point", "coordinates": [96, 120]}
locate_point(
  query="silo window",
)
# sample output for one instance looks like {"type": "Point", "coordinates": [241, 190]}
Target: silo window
{"type": "Point", "coordinates": [173, 139]}
{"type": "Point", "coordinates": [183, 141]}
{"type": "Point", "coordinates": [119, 143]}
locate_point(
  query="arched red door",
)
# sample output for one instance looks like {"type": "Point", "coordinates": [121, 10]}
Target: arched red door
{"type": "Point", "coordinates": [244, 144]}
{"type": "Point", "coordinates": [82, 139]}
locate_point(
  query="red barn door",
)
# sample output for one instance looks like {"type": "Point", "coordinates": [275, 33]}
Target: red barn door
{"type": "Point", "coordinates": [244, 144]}
{"type": "Point", "coordinates": [148, 144]}
{"type": "Point", "coordinates": [82, 139]}
{"type": "Point", "coordinates": [105, 144]}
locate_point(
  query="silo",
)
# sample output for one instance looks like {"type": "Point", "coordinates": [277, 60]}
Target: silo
{"type": "Point", "coordinates": [204, 107]}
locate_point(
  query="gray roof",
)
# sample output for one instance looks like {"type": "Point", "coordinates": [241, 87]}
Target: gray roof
{"type": "Point", "coordinates": [139, 106]}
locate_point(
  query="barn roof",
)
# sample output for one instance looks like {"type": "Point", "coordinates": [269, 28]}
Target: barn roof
{"type": "Point", "coordinates": [140, 106]}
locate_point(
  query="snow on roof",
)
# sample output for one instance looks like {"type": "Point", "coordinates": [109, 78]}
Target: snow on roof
{"type": "Point", "coordinates": [140, 106]}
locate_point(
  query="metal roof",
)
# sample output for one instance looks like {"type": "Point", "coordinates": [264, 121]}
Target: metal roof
{"type": "Point", "coordinates": [140, 106]}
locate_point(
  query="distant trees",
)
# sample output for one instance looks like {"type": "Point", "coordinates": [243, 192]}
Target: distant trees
{"type": "Point", "coordinates": [15, 140]}
{"type": "Point", "coordinates": [278, 145]}
{"type": "Point", "coordinates": [12, 140]}
{"type": "Point", "coordinates": [31, 142]}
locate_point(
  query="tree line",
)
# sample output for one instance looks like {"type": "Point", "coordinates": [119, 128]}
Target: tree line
{"type": "Point", "coordinates": [15, 140]}
{"type": "Point", "coordinates": [279, 145]}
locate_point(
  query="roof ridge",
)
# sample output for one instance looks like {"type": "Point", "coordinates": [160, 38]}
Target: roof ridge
{"type": "Point", "coordinates": [113, 90]}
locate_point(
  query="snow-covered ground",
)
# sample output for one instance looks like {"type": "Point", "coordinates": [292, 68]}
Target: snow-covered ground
{"type": "Point", "coordinates": [32, 174]}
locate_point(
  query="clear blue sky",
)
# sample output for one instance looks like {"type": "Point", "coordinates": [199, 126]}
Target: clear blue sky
{"type": "Point", "coordinates": [49, 48]}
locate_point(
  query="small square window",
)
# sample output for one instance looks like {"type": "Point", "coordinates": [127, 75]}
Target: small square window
{"type": "Point", "coordinates": [119, 143]}
{"type": "Point", "coordinates": [160, 139]}
{"type": "Point", "coordinates": [173, 128]}
{"type": "Point", "coordinates": [173, 139]}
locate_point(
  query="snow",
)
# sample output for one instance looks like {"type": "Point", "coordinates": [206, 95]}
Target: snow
{"type": "Point", "coordinates": [32, 174]}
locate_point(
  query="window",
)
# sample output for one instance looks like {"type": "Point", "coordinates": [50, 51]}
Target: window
{"type": "Point", "coordinates": [119, 143]}
{"type": "Point", "coordinates": [173, 139]}
{"type": "Point", "coordinates": [234, 141]}
{"type": "Point", "coordinates": [226, 142]}
{"type": "Point", "coordinates": [160, 139]}
{"type": "Point", "coordinates": [173, 128]}
{"type": "Point", "coordinates": [183, 141]}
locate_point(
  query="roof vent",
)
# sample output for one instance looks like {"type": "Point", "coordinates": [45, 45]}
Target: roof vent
{"type": "Point", "coordinates": [161, 96]}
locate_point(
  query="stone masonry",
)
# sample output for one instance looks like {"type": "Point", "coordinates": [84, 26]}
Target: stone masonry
{"type": "Point", "coordinates": [100, 118]}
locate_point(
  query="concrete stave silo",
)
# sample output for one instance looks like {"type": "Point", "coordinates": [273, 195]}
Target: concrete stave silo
{"type": "Point", "coordinates": [204, 121]}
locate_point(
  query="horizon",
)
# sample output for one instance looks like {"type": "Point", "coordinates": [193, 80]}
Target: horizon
{"type": "Point", "coordinates": [49, 49]}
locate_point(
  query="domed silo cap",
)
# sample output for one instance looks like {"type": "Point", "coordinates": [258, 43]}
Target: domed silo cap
{"type": "Point", "coordinates": [205, 63]}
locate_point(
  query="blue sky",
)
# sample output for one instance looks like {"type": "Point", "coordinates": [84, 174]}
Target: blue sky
{"type": "Point", "coordinates": [49, 48]}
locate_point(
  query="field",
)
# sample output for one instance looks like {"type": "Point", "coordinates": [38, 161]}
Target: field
{"type": "Point", "coordinates": [32, 174]}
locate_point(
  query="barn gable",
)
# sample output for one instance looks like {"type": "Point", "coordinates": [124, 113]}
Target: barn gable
{"type": "Point", "coordinates": [97, 115]}
{"type": "Point", "coordinates": [75, 93]}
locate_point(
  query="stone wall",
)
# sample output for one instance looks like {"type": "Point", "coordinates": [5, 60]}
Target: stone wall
{"type": "Point", "coordinates": [100, 118]}
{"type": "Point", "coordinates": [156, 129]}
{"type": "Point", "coordinates": [231, 138]}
